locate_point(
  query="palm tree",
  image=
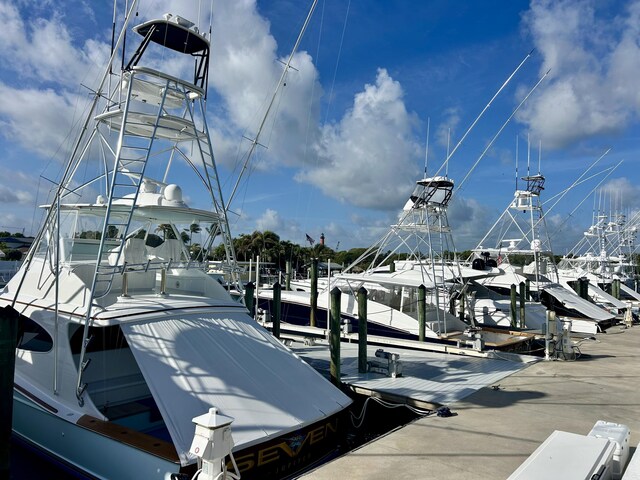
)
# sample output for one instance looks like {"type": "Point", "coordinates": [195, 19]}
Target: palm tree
{"type": "Point", "coordinates": [266, 243]}
{"type": "Point", "coordinates": [193, 228]}
{"type": "Point", "coordinates": [166, 229]}
{"type": "Point", "coordinates": [242, 246]}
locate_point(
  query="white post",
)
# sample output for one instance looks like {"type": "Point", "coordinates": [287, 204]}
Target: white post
{"type": "Point", "coordinates": [328, 289]}
{"type": "Point", "coordinates": [257, 284]}
{"type": "Point", "coordinates": [550, 317]}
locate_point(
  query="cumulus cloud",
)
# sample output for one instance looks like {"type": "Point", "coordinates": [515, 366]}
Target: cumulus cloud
{"type": "Point", "coordinates": [40, 120]}
{"type": "Point", "coordinates": [620, 195]}
{"type": "Point", "coordinates": [270, 220]}
{"type": "Point", "coordinates": [42, 49]}
{"type": "Point", "coordinates": [244, 73]}
{"type": "Point", "coordinates": [470, 220]}
{"type": "Point", "coordinates": [595, 63]}
{"type": "Point", "coordinates": [368, 159]}
{"type": "Point", "coordinates": [373, 142]}
{"type": "Point", "coordinates": [446, 129]}
{"type": "Point", "coordinates": [11, 195]}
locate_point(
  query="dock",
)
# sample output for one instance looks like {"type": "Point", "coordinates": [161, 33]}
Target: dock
{"type": "Point", "coordinates": [496, 427]}
{"type": "Point", "coordinates": [429, 379]}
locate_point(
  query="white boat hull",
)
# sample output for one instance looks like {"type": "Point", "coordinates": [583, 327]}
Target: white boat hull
{"type": "Point", "coordinates": [82, 449]}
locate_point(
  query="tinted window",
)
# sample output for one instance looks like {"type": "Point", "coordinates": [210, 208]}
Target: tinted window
{"type": "Point", "coordinates": [33, 337]}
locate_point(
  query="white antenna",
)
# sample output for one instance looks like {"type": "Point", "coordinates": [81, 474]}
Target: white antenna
{"type": "Point", "coordinates": [446, 170]}
{"type": "Point", "coordinates": [211, 22]}
{"type": "Point", "coordinates": [499, 132]}
{"type": "Point", "coordinates": [528, 153]}
{"type": "Point", "coordinates": [517, 149]}
{"type": "Point", "coordinates": [594, 213]}
{"type": "Point", "coordinates": [426, 150]}
{"type": "Point", "coordinates": [539, 155]}
{"type": "Point", "coordinates": [506, 82]}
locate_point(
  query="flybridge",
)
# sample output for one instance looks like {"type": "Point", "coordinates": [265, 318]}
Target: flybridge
{"type": "Point", "coordinates": [177, 34]}
{"type": "Point", "coordinates": [433, 191]}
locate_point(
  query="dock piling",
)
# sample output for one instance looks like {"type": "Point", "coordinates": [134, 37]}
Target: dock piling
{"type": "Point", "coordinates": [422, 311]}
{"type": "Point", "coordinates": [362, 330]}
{"type": "Point", "coordinates": [275, 316]}
{"type": "Point", "coordinates": [615, 288]}
{"type": "Point", "coordinates": [582, 288]}
{"type": "Point", "coordinates": [287, 276]}
{"type": "Point", "coordinates": [334, 336]}
{"type": "Point", "coordinates": [522, 303]}
{"type": "Point", "coordinates": [8, 343]}
{"type": "Point", "coordinates": [248, 298]}
{"type": "Point", "coordinates": [514, 318]}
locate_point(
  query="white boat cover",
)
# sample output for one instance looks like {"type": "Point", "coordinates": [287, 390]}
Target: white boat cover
{"type": "Point", "coordinates": [226, 360]}
{"type": "Point", "coordinates": [387, 279]}
{"type": "Point", "coordinates": [630, 291]}
{"type": "Point", "coordinates": [601, 296]}
{"type": "Point", "coordinates": [573, 301]}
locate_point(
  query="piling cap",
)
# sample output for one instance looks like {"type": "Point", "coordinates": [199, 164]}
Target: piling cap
{"type": "Point", "coordinates": [212, 419]}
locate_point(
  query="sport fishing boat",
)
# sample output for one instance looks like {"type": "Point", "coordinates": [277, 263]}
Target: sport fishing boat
{"type": "Point", "coordinates": [521, 232]}
{"type": "Point", "coordinates": [602, 256]}
{"type": "Point", "coordinates": [413, 253]}
{"type": "Point", "coordinates": [124, 339]}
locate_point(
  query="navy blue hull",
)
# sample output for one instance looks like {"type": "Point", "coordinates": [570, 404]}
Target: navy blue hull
{"type": "Point", "coordinates": [298, 314]}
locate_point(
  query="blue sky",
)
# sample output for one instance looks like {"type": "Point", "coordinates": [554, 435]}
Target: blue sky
{"type": "Point", "coordinates": [346, 141]}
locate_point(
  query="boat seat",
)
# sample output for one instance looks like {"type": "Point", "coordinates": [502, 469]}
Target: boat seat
{"type": "Point", "coordinates": [134, 253]}
{"type": "Point", "coordinates": [171, 249]}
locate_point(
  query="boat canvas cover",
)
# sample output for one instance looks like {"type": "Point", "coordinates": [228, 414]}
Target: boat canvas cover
{"type": "Point", "coordinates": [225, 360]}
{"type": "Point", "coordinates": [579, 304]}
{"type": "Point", "coordinates": [629, 291]}
{"type": "Point", "coordinates": [603, 296]}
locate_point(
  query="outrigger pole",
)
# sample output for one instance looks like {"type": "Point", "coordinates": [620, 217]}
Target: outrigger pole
{"type": "Point", "coordinates": [255, 141]}
{"type": "Point", "coordinates": [495, 137]}
{"type": "Point", "coordinates": [506, 82]}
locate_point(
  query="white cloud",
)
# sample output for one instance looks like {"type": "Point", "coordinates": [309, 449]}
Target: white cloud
{"type": "Point", "coordinates": [368, 159]}
{"type": "Point", "coordinates": [620, 195]}
{"type": "Point", "coordinates": [564, 234]}
{"type": "Point", "coordinates": [270, 220]}
{"type": "Point", "coordinates": [470, 220]}
{"type": "Point", "coordinates": [40, 120]}
{"type": "Point", "coordinates": [42, 49]}
{"type": "Point", "coordinates": [595, 63]}
{"type": "Point", "coordinates": [11, 195]}
{"type": "Point", "coordinates": [446, 130]}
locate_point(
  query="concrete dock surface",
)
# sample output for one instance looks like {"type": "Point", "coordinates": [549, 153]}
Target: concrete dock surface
{"type": "Point", "coordinates": [495, 429]}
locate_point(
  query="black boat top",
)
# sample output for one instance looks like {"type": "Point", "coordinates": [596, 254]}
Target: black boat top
{"type": "Point", "coordinates": [174, 32]}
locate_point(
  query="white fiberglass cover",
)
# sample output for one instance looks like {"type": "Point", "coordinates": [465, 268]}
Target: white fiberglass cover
{"type": "Point", "coordinates": [226, 360]}
{"type": "Point", "coordinates": [573, 301]}
{"type": "Point", "coordinates": [629, 291]}
{"type": "Point", "coordinates": [602, 296]}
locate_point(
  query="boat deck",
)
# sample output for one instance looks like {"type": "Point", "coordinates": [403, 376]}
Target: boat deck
{"type": "Point", "coordinates": [429, 379]}
{"type": "Point", "coordinates": [496, 429]}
